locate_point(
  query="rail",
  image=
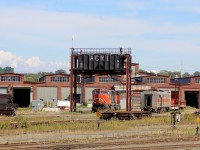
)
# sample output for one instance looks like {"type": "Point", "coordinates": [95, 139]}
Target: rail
{"type": "Point", "coordinates": [76, 51]}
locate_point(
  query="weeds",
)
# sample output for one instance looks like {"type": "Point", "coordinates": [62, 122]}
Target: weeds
{"type": "Point", "coordinates": [23, 123]}
{"type": "Point", "coordinates": [4, 125]}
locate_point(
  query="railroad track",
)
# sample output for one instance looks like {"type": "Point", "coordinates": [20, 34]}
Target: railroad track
{"type": "Point", "coordinates": [15, 124]}
{"type": "Point", "coordinates": [128, 147]}
{"type": "Point", "coordinates": [23, 145]}
{"type": "Point", "coordinates": [122, 142]}
{"type": "Point", "coordinates": [129, 144]}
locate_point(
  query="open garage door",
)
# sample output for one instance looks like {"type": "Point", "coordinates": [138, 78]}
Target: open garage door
{"type": "Point", "coordinates": [191, 98]}
{"type": "Point", "coordinates": [21, 96]}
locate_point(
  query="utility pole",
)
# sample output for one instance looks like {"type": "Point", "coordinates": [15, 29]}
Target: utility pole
{"type": "Point", "coordinates": [181, 70]}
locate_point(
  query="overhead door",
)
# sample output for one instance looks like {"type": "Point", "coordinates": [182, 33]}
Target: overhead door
{"type": "Point", "coordinates": [88, 95]}
{"type": "Point", "coordinates": [65, 92]}
{"type": "Point", "coordinates": [3, 90]}
{"type": "Point", "coordinates": [47, 93]}
{"type": "Point", "coordinates": [65, 95]}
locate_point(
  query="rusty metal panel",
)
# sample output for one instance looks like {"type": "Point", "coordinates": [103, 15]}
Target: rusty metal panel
{"type": "Point", "coordinates": [86, 61]}
{"type": "Point", "coordinates": [80, 62]}
{"type": "Point", "coordinates": [91, 62]}
{"type": "Point", "coordinates": [121, 63]}
{"type": "Point", "coordinates": [102, 62]}
{"type": "Point", "coordinates": [112, 62]}
{"type": "Point", "coordinates": [96, 62]}
{"type": "Point", "coordinates": [117, 62]}
{"type": "Point", "coordinates": [107, 62]}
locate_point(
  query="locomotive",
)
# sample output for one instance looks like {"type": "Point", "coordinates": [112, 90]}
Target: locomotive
{"type": "Point", "coordinates": [104, 99]}
{"type": "Point", "coordinates": [7, 107]}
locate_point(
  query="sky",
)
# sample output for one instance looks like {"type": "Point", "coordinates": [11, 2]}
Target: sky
{"type": "Point", "coordinates": [36, 35]}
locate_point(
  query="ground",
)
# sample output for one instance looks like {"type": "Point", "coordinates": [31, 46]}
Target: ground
{"type": "Point", "coordinates": [80, 131]}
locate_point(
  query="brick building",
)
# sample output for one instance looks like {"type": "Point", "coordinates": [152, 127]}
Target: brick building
{"type": "Point", "coordinates": [57, 87]}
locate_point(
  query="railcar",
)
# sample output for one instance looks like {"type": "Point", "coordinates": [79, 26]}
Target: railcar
{"type": "Point", "coordinates": [156, 101]}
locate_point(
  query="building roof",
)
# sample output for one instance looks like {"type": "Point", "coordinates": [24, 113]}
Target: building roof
{"type": "Point", "coordinates": [11, 74]}
{"type": "Point", "coordinates": [54, 75]}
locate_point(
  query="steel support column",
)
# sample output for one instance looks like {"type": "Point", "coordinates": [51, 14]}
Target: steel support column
{"type": "Point", "coordinates": [83, 92]}
{"type": "Point", "coordinates": [127, 80]}
{"type": "Point", "coordinates": [130, 100]}
{"type": "Point", "coordinates": [75, 91]}
{"type": "Point", "coordinates": [71, 81]}
{"type": "Point", "coordinates": [128, 84]}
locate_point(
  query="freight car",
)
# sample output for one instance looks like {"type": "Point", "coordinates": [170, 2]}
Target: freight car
{"type": "Point", "coordinates": [7, 107]}
{"type": "Point", "coordinates": [104, 99]}
{"type": "Point", "coordinates": [156, 101]}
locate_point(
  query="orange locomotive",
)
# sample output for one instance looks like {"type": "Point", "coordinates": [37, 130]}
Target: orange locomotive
{"type": "Point", "coordinates": [105, 99]}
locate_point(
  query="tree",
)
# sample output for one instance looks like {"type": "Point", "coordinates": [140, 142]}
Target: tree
{"type": "Point", "coordinates": [1, 70]}
{"type": "Point", "coordinates": [41, 74]}
{"type": "Point", "coordinates": [31, 77]}
{"type": "Point", "coordinates": [141, 70]}
{"type": "Point", "coordinates": [8, 70]}
{"type": "Point", "coordinates": [196, 73]}
{"type": "Point", "coordinates": [186, 74]}
{"type": "Point", "coordinates": [164, 73]}
{"type": "Point", "coordinates": [60, 71]}
{"type": "Point", "coordinates": [172, 74]}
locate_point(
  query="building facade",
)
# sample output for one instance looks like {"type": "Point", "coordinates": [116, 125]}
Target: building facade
{"type": "Point", "coordinates": [57, 87]}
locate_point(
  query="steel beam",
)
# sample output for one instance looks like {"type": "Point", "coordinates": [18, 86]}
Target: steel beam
{"type": "Point", "coordinates": [127, 82]}
{"type": "Point", "coordinates": [71, 80]}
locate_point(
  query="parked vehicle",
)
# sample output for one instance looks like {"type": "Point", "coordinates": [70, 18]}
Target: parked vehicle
{"type": "Point", "coordinates": [7, 107]}
{"type": "Point", "coordinates": [104, 99]}
{"type": "Point", "coordinates": [156, 101]}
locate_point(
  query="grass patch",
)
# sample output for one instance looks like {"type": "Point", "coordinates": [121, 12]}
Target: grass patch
{"type": "Point", "coordinates": [23, 123]}
{"type": "Point", "coordinates": [24, 109]}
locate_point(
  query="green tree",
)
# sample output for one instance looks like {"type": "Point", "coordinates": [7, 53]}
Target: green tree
{"type": "Point", "coordinates": [196, 73]}
{"type": "Point", "coordinates": [60, 71]}
{"type": "Point", "coordinates": [141, 70]}
{"type": "Point", "coordinates": [170, 73]}
{"type": "Point", "coordinates": [41, 74]}
{"type": "Point", "coordinates": [186, 74]}
{"type": "Point", "coordinates": [164, 73]}
{"type": "Point", "coordinates": [1, 70]}
{"type": "Point", "coordinates": [31, 77]}
{"type": "Point", "coordinates": [8, 70]}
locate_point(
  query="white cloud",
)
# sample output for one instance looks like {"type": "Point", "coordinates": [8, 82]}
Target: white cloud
{"type": "Point", "coordinates": [34, 62]}
{"type": "Point", "coordinates": [58, 64]}
{"type": "Point", "coordinates": [28, 65]}
{"type": "Point", "coordinates": [9, 59]}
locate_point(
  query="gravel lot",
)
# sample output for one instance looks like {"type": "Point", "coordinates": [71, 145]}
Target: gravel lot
{"type": "Point", "coordinates": [140, 137]}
